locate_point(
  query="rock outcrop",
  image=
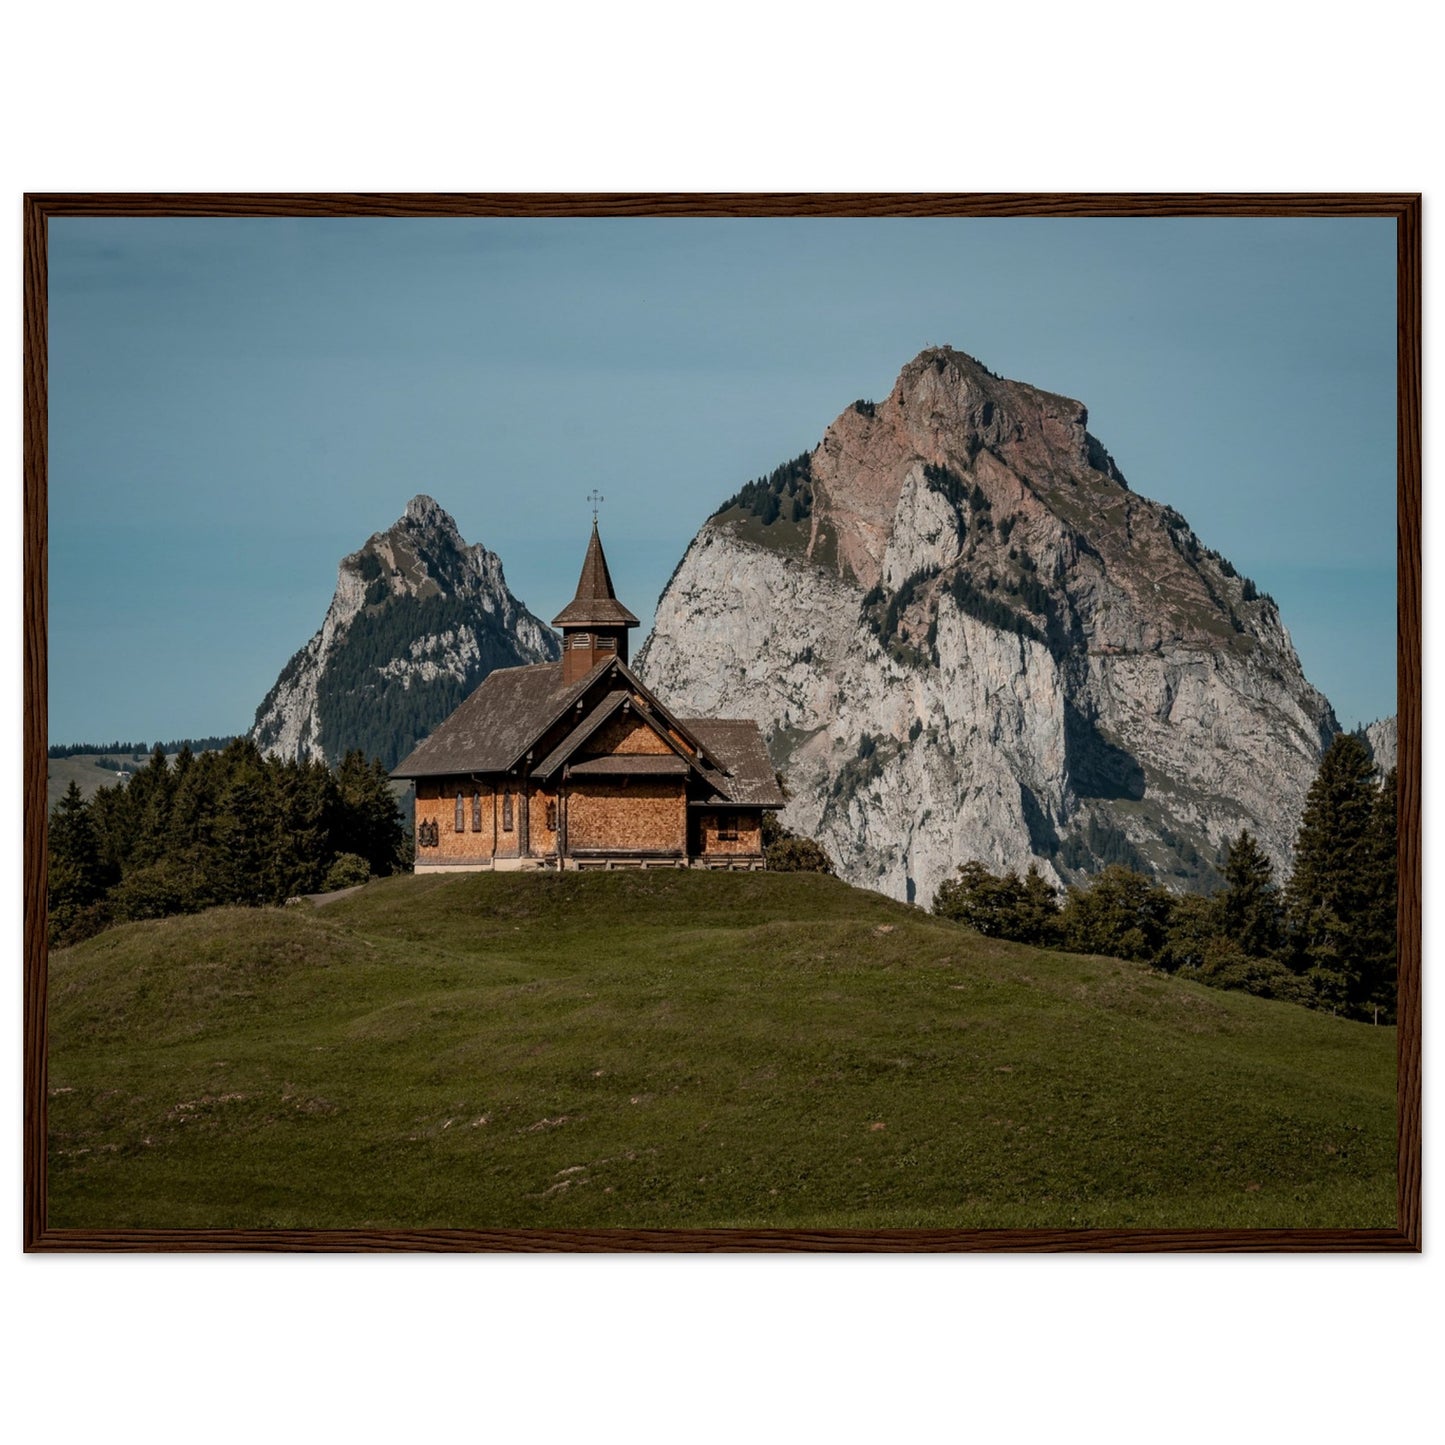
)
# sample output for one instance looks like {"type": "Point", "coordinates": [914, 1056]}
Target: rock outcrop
{"type": "Point", "coordinates": [419, 618]}
{"type": "Point", "coordinates": [1382, 739]}
{"type": "Point", "coordinates": [966, 637]}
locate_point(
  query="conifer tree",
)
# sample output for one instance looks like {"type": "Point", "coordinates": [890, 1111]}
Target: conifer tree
{"type": "Point", "coordinates": [1249, 902]}
{"type": "Point", "coordinates": [1377, 990]}
{"type": "Point", "coordinates": [1122, 913]}
{"type": "Point", "coordinates": [1038, 911]}
{"type": "Point", "coordinates": [1336, 873]}
{"type": "Point", "coordinates": [77, 875]}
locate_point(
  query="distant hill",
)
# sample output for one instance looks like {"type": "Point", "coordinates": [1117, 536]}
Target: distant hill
{"type": "Point", "coordinates": [418, 619]}
{"type": "Point", "coordinates": [680, 1049]}
{"type": "Point", "coordinates": [93, 770]}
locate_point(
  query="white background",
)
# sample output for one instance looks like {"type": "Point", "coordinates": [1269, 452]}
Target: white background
{"type": "Point", "coordinates": [778, 96]}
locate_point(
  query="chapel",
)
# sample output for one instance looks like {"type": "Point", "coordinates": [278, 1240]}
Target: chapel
{"type": "Point", "coordinates": [577, 764]}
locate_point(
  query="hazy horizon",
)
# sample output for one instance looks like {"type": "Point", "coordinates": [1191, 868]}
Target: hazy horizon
{"type": "Point", "coordinates": [236, 404]}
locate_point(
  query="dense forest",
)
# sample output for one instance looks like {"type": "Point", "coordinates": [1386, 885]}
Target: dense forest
{"type": "Point", "coordinates": [1325, 939]}
{"type": "Point", "coordinates": [231, 826]}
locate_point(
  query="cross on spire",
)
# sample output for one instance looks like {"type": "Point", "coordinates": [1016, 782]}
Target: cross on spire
{"type": "Point", "coordinates": [594, 496]}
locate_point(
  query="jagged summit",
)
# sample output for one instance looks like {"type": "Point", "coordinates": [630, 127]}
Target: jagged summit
{"type": "Point", "coordinates": [418, 619]}
{"type": "Point", "coordinates": [966, 636]}
{"type": "Point", "coordinates": [428, 512]}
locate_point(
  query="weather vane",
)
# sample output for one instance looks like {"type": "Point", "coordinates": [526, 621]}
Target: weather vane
{"type": "Point", "coordinates": [594, 496]}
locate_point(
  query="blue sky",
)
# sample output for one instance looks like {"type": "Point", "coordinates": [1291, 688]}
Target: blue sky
{"type": "Point", "coordinates": [235, 404]}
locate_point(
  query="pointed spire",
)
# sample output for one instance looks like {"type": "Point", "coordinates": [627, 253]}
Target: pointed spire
{"type": "Point", "coordinates": [596, 603]}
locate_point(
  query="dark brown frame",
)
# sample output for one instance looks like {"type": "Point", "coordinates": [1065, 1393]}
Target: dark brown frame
{"type": "Point", "coordinates": [1404, 208]}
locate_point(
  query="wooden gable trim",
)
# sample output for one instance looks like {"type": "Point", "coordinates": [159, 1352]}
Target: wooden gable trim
{"type": "Point", "coordinates": [645, 713]}
{"type": "Point", "coordinates": [689, 738]}
{"type": "Point", "coordinates": [584, 730]}
{"type": "Point", "coordinates": [578, 693]}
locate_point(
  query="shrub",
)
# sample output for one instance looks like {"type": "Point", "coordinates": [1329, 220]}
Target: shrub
{"type": "Point", "coordinates": [349, 870]}
{"type": "Point", "coordinates": [785, 851]}
{"type": "Point", "coordinates": [158, 890]}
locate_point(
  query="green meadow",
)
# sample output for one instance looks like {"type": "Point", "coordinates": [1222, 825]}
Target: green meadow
{"type": "Point", "coordinates": [683, 1050]}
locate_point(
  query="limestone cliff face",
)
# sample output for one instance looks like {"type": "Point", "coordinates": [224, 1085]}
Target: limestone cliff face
{"type": "Point", "coordinates": [418, 619]}
{"type": "Point", "coordinates": [966, 637]}
{"type": "Point", "coordinates": [1383, 740]}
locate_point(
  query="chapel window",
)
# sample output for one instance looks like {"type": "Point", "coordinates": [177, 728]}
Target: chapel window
{"type": "Point", "coordinates": [552, 816]}
{"type": "Point", "coordinates": [477, 811]}
{"type": "Point", "coordinates": [506, 812]}
{"type": "Point", "coordinates": [460, 819]}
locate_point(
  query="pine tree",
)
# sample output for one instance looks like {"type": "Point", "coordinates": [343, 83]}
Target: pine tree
{"type": "Point", "coordinates": [1249, 902]}
{"type": "Point", "coordinates": [1377, 987]}
{"type": "Point", "coordinates": [1336, 874]}
{"type": "Point", "coordinates": [1038, 911]}
{"type": "Point", "coordinates": [77, 875]}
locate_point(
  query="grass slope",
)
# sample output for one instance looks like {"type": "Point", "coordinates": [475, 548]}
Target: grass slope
{"type": "Point", "coordinates": [683, 1050]}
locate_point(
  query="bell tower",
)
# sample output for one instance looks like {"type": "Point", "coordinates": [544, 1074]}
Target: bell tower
{"type": "Point", "coordinates": [594, 623]}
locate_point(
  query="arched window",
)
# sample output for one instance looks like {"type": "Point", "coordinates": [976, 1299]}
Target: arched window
{"type": "Point", "coordinates": [460, 820]}
{"type": "Point", "coordinates": [506, 812]}
{"type": "Point", "coordinates": [477, 811]}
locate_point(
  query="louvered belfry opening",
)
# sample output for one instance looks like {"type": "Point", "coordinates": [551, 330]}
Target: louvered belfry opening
{"type": "Point", "coordinates": [594, 623]}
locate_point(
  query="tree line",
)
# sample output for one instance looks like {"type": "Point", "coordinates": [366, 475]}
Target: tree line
{"type": "Point", "coordinates": [1325, 939]}
{"type": "Point", "coordinates": [139, 750]}
{"type": "Point", "coordinates": [231, 826]}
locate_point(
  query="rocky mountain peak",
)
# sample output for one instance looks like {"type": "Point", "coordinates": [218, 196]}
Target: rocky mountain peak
{"type": "Point", "coordinates": [968, 637]}
{"type": "Point", "coordinates": [425, 511]}
{"type": "Point", "coordinates": [417, 620]}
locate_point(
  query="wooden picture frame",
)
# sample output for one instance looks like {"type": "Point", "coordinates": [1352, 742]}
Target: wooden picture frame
{"type": "Point", "coordinates": [1404, 209]}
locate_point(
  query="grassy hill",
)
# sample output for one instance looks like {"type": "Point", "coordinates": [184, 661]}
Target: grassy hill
{"type": "Point", "coordinates": [82, 768]}
{"type": "Point", "coordinates": [684, 1050]}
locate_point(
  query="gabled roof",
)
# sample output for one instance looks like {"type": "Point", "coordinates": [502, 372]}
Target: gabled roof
{"type": "Point", "coordinates": [515, 707]}
{"type": "Point", "coordinates": [737, 743]}
{"type": "Point", "coordinates": [595, 603]}
{"type": "Point", "coordinates": [494, 727]}
{"type": "Point", "coordinates": [579, 735]}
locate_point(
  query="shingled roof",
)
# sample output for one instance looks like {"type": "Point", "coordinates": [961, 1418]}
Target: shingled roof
{"type": "Point", "coordinates": [515, 706]}
{"type": "Point", "coordinates": [596, 603]}
{"type": "Point", "coordinates": [493, 727]}
{"type": "Point", "coordinates": [750, 780]}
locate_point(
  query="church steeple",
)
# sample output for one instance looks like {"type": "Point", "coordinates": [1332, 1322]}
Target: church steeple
{"type": "Point", "coordinates": [594, 623]}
